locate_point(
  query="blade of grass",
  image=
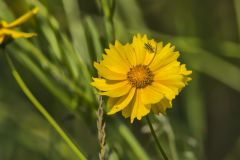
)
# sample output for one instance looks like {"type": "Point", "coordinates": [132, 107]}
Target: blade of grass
{"type": "Point", "coordinates": [52, 87]}
{"type": "Point", "coordinates": [47, 65]}
{"type": "Point", "coordinates": [237, 10]}
{"type": "Point", "coordinates": [205, 62]}
{"type": "Point", "coordinates": [42, 110]}
{"type": "Point", "coordinates": [94, 35]}
{"type": "Point", "coordinates": [131, 140]}
{"type": "Point", "coordinates": [195, 109]}
{"type": "Point", "coordinates": [166, 126]}
{"type": "Point", "coordinates": [52, 41]}
{"type": "Point", "coordinates": [77, 30]}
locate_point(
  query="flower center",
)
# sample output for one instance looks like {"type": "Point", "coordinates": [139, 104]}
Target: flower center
{"type": "Point", "coordinates": [140, 76]}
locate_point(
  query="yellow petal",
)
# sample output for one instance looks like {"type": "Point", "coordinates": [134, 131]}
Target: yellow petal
{"type": "Point", "coordinates": [104, 85]}
{"type": "Point", "coordinates": [161, 106]}
{"type": "Point", "coordinates": [172, 68]}
{"type": "Point", "coordinates": [139, 109]}
{"type": "Point", "coordinates": [151, 94]}
{"type": "Point", "coordinates": [142, 54]}
{"type": "Point", "coordinates": [108, 74]}
{"type": "Point", "coordinates": [115, 61]}
{"type": "Point", "coordinates": [111, 101]}
{"type": "Point", "coordinates": [172, 74]}
{"type": "Point", "coordinates": [184, 71]}
{"type": "Point", "coordinates": [1, 39]}
{"type": "Point", "coordinates": [15, 34]}
{"type": "Point", "coordinates": [173, 79]}
{"type": "Point", "coordinates": [127, 52]}
{"type": "Point", "coordinates": [164, 57]}
{"type": "Point", "coordinates": [122, 102]}
{"type": "Point", "coordinates": [3, 24]}
{"type": "Point", "coordinates": [138, 45]}
{"type": "Point", "coordinates": [23, 18]}
{"type": "Point", "coordinates": [165, 61]}
{"type": "Point", "coordinates": [169, 77]}
{"type": "Point", "coordinates": [118, 92]}
{"type": "Point", "coordinates": [126, 112]}
{"type": "Point", "coordinates": [165, 90]}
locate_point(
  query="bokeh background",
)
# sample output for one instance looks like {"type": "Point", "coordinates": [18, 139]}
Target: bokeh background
{"type": "Point", "coordinates": [204, 123]}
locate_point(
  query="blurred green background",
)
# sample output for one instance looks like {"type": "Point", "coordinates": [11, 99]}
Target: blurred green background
{"type": "Point", "coordinates": [57, 66]}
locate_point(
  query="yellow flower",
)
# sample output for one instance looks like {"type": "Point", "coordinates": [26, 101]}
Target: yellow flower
{"type": "Point", "coordinates": [140, 77]}
{"type": "Point", "coordinates": [7, 29]}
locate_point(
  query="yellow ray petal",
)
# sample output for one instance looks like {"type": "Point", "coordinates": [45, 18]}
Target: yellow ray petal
{"type": "Point", "coordinates": [172, 78]}
{"type": "Point", "coordinates": [126, 112]}
{"type": "Point", "coordinates": [163, 57]}
{"type": "Point", "coordinates": [184, 70]}
{"type": "Point", "coordinates": [1, 39]}
{"type": "Point", "coordinates": [172, 68]}
{"type": "Point", "coordinates": [175, 80]}
{"type": "Point", "coordinates": [138, 45]}
{"type": "Point", "coordinates": [161, 106]}
{"type": "Point", "coordinates": [127, 52]}
{"type": "Point", "coordinates": [3, 24]}
{"type": "Point", "coordinates": [159, 62]}
{"type": "Point", "coordinates": [118, 92]}
{"type": "Point", "coordinates": [139, 109]}
{"type": "Point", "coordinates": [168, 92]}
{"type": "Point", "coordinates": [115, 61]}
{"type": "Point", "coordinates": [121, 50]}
{"type": "Point", "coordinates": [151, 94]}
{"type": "Point", "coordinates": [103, 85]}
{"type": "Point", "coordinates": [108, 74]}
{"type": "Point", "coordinates": [169, 77]}
{"type": "Point", "coordinates": [23, 18]}
{"type": "Point", "coordinates": [122, 102]}
{"type": "Point", "coordinates": [16, 34]}
{"type": "Point", "coordinates": [111, 101]}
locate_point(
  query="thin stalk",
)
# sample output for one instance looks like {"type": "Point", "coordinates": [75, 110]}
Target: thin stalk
{"type": "Point", "coordinates": [156, 139]}
{"type": "Point", "coordinates": [108, 9]}
{"type": "Point", "coordinates": [101, 130]}
{"type": "Point", "coordinates": [42, 110]}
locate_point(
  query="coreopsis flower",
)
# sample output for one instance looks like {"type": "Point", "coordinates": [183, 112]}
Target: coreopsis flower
{"type": "Point", "coordinates": [140, 77]}
{"type": "Point", "coordinates": [7, 30]}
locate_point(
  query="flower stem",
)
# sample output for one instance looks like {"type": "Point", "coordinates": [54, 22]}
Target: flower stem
{"type": "Point", "coordinates": [42, 110]}
{"type": "Point", "coordinates": [156, 139]}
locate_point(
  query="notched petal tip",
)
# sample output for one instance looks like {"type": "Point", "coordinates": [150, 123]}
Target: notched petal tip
{"type": "Point", "coordinates": [95, 64]}
{"type": "Point", "coordinates": [92, 84]}
{"type": "Point", "coordinates": [110, 113]}
{"type": "Point", "coordinates": [132, 119]}
{"type": "Point", "coordinates": [117, 43]}
{"type": "Point", "coordinates": [31, 35]}
{"type": "Point", "coordinates": [184, 71]}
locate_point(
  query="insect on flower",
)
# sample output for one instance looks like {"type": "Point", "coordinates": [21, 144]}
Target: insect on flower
{"type": "Point", "coordinates": [149, 47]}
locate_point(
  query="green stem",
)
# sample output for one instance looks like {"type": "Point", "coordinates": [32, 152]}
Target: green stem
{"type": "Point", "coordinates": [237, 10]}
{"type": "Point", "coordinates": [156, 139]}
{"type": "Point", "coordinates": [42, 110]}
{"type": "Point", "coordinates": [108, 9]}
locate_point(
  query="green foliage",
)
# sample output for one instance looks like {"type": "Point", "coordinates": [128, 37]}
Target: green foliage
{"type": "Point", "coordinates": [57, 67]}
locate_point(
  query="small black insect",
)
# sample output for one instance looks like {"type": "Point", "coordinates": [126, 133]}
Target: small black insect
{"type": "Point", "coordinates": [149, 47]}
